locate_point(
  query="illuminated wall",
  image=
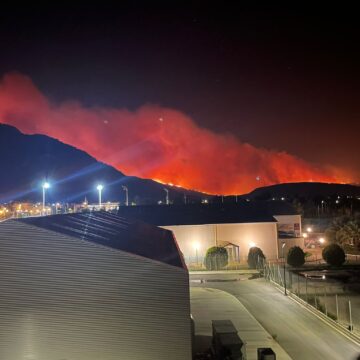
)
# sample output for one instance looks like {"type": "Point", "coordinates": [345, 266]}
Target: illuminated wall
{"type": "Point", "coordinates": [194, 239]}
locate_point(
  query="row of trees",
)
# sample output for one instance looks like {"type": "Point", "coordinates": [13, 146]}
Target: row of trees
{"type": "Point", "coordinates": [217, 257]}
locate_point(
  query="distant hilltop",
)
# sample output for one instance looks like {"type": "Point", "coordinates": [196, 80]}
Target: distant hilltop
{"type": "Point", "coordinates": [306, 190]}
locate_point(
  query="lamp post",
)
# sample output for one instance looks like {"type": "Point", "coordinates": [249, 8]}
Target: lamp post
{"type": "Point", "coordinates": [45, 186]}
{"type": "Point", "coordinates": [167, 196]}
{"type": "Point", "coordinates": [282, 247]}
{"type": "Point", "coordinates": [196, 247]}
{"type": "Point", "coordinates": [125, 188]}
{"type": "Point", "coordinates": [99, 189]}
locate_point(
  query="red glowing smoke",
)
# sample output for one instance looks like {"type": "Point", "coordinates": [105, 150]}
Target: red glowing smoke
{"type": "Point", "coordinates": [153, 142]}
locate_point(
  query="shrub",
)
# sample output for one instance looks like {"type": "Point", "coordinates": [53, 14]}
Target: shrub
{"type": "Point", "coordinates": [296, 256]}
{"type": "Point", "coordinates": [216, 258]}
{"type": "Point", "coordinates": [333, 254]}
{"type": "Point", "coordinates": [255, 255]}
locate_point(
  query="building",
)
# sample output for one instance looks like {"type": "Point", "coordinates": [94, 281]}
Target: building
{"type": "Point", "coordinates": [237, 226]}
{"type": "Point", "coordinates": [92, 286]}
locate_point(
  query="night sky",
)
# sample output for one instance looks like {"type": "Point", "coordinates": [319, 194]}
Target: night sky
{"type": "Point", "coordinates": [283, 80]}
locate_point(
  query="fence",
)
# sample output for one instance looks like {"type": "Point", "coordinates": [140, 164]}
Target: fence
{"type": "Point", "coordinates": [331, 298]}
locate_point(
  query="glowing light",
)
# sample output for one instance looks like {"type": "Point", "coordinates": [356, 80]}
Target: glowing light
{"type": "Point", "coordinates": [321, 240]}
{"type": "Point", "coordinates": [252, 244]}
{"type": "Point", "coordinates": [323, 277]}
{"type": "Point", "coordinates": [305, 235]}
{"type": "Point", "coordinates": [46, 185]}
{"type": "Point", "coordinates": [99, 187]}
{"type": "Point", "coordinates": [309, 229]}
{"type": "Point", "coordinates": [196, 245]}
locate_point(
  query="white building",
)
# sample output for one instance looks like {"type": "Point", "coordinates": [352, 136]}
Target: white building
{"type": "Point", "coordinates": [91, 286]}
{"type": "Point", "coordinates": [236, 226]}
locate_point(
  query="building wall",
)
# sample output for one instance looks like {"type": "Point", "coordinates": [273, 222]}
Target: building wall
{"type": "Point", "coordinates": [289, 243]}
{"type": "Point", "coordinates": [263, 235]}
{"type": "Point", "coordinates": [63, 298]}
{"type": "Point", "coordinates": [289, 223]}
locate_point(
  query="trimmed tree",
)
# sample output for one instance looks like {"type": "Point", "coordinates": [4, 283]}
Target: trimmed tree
{"type": "Point", "coordinates": [333, 254]}
{"type": "Point", "coordinates": [295, 256]}
{"type": "Point", "coordinates": [216, 258]}
{"type": "Point", "coordinates": [255, 255]}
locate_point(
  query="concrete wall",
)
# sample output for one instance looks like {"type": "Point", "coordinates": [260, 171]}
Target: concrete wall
{"type": "Point", "coordinates": [263, 235]}
{"type": "Point", "coordinates": [63, 298]}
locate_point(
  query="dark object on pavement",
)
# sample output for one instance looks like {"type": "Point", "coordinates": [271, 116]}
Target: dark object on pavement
{"type": "Point", "coordinates": [226, 344]}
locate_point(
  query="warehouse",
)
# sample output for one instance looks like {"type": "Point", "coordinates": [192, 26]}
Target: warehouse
{"type": "Point", "coordinates": [237, 226]}
{"type": "Point", "coordinates": [92, 286]}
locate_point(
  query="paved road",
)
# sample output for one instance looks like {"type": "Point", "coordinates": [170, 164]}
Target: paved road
{"type": "Point", "coordinates": [299, 333]}
{"type": "Point", "coordinates": [214, 304]}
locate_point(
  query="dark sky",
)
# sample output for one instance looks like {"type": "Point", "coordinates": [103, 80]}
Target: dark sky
{"type": "Point", "coordinates": [279, 79]}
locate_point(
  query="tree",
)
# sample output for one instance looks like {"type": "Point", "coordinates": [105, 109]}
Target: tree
{"type": "Point", "coordinates": [333, 254]}
{"type": "Point", "coordinates": [345, 230]}
{"type": "Point", "coordinates": [296, 256]}
{"type": "Point", "coordinates": [255, 256]}
{"type": "Point", "coordinates": [216, 258]}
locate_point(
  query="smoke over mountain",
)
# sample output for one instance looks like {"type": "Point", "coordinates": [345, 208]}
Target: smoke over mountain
{"type": "Point", "coordinates": [154, 142]}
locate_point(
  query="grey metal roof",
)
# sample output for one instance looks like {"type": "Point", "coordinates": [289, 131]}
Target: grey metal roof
{"type": "Point", "coordinates": [114, 231]}
{"type": "Point", "coordinates": [197, 214]}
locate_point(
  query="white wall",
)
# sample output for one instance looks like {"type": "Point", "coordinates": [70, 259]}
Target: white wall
{"type": "Point", "coordinates": [64, 298]}
{"type": "Point", "coordinates": [190, 236]}
{"type": "Point", "coordinates": [263, 235]}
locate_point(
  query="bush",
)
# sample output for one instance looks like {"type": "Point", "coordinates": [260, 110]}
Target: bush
{"type": "Point", "coordinates": [333, 254]}
{"type": "Point", "coordinates": [296, 256]}
{"type": "Point", "coordinates": [255, 255]}
{"type": "Point", "coordinates": [216, 258]}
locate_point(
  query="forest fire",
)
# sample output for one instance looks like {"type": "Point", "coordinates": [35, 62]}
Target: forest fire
{"type": "Point", "coordinates": [154, 142]}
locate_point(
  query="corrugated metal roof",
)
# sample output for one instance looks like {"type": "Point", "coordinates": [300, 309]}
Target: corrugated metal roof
{"type": "Point", "coordinates": [114, 231]}
{"type": "Point", "coordinates": [198, 214]}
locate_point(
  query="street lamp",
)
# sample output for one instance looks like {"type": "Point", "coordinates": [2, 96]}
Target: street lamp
{"type": "Point", "coordinates": [45, 186]}
{"type": "Point", "coordinates": [126, 195]}
{"type": "Point", "coordinates": [99, 189]}
{"type": "Point", "coordinates": [167, 196]}
{"type": "Point", "coordinates": [282, 247]}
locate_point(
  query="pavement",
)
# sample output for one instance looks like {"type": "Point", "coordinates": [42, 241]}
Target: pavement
{"type": "Point", "coordinates": [301, 334]}
{"type": "Point", "coordinates": [211, 304]}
